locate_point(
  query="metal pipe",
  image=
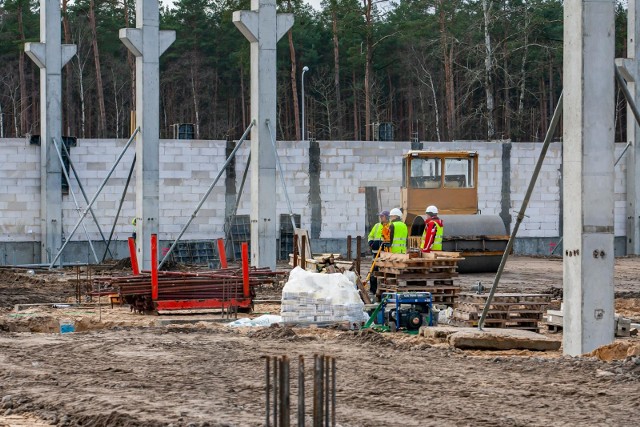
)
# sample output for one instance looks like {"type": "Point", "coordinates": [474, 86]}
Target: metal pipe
{"type": "Point", "coordinates": [73, 196]}
{"type": "Point", "coordinates": [204, 198]}
{"type": "Point", "coordinates": [547, 140]}
{"type": "Point", "coordinates": [301, 391]}
{"type": "Point", "coordinates": [124, 193]}
{"type": "Point", "coordinates": [245, 269]}
{"type": "Point", "coordinates": [235, 207]}
{"type": "Point", "coordinates": [304, 70]}
{"type": "Point", "coordinates": [627, 95]}
{"type": "Point", "coordinates": [284, 186]}
{"type": "Point", "coordinates": [104, 182]}
{"type": "Point", "coordinates": [84, 194]}
{"type": "Point", "coordinates": [349, 247]}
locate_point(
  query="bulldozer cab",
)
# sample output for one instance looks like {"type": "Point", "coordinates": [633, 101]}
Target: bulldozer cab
{"type": "Point", "coordinates": [448, 180]}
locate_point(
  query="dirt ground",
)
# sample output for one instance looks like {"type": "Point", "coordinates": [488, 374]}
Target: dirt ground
{"type": "Point", "coordinates": [126, 369]}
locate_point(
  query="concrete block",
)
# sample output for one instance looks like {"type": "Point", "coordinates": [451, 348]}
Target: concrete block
{"type": "Point", "coordinates": [502, 339]}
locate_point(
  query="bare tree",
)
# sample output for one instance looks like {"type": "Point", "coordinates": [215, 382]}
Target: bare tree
{"type": "Point", "coordinates": [488, 64]}
{"type": "Point", "coordinates": [102, 122]}
{"type": "Point", "coordinates": [24, 100]}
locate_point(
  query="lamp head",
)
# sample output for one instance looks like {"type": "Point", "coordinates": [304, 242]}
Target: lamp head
{"type": "Point", "coordinates": [305, 68]}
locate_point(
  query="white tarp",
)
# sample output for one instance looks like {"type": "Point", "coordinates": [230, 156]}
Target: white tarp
{"type": "Point", "coordinates": [317, 297]}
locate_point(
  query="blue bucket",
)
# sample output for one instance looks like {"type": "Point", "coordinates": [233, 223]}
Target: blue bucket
{"type": "Point", "coordinates": [67, 326]}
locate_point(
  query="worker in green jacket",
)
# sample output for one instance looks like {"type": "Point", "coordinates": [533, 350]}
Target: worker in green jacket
{"type": "Point", "coordinates": [378, 235]}
{"type": "Point", "coordinates": [380, 232]}
{"type": "Point", "coordinates": [398, 233]}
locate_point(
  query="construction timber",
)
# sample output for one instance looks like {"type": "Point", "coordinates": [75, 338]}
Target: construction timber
{"type": "Point", "coordinates": [516, 311]}
{"type": "Point", "coordinates": [420, 272]}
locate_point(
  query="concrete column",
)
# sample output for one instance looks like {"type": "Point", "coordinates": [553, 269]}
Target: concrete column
{"type": "Point", "coordinates": [50, 55]}
{"type": "Point", "coordinates": [263, 27]}
{"type": "Point", "coordinates": [630, 69]}
{"type": "Point", "coordinates": [588, 174]}
{"type": "Point", "coordinates": [147, 43]}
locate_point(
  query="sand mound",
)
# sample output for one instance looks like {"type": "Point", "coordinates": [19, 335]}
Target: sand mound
{"type": "Point", "coordinates": [618, 350]}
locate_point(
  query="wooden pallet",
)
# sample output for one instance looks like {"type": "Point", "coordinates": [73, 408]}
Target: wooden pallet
{"type": "Point", "coordinates": [518, 311]}
{"type": "Point", "coordinates": [441, 294]}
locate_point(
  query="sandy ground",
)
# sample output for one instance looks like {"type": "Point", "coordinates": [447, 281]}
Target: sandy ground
{"type": "Point", "coordinates": [126, 369]}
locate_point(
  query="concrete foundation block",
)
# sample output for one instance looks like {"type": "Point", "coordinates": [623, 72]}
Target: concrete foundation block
{"type": "Point", "coordinates": [502, 339]}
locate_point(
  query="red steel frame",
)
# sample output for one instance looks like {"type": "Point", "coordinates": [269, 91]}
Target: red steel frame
{"type": "Point", "coordinates": [222, 253]}
{"type": "Point", "coordinates": [164, 305]}
{"type": "Point", "coordinates": [134, 258]}
{"type": "Point", "coordinates": [154, 267]}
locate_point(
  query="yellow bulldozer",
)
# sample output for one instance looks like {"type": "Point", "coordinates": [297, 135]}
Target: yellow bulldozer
{"type": "Point", "coordinates": [449, 180]}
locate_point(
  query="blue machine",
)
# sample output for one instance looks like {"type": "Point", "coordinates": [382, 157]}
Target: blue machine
{"type": "Point", "coordinates": [405, 310]}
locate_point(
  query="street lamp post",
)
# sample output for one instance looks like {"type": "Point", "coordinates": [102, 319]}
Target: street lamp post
{"type": "Point", "coordinates": [304, 70]}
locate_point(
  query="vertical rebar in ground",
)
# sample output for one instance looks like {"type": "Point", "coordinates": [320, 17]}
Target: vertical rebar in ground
{"type": "Point", "coordinates": [316, 391]}
{"type": "Point", "coordinates": [267, 376]}
{"type": "Point", "coordinates": [349, 248]}
{"type": "Point", "coordinates": [300, 391]}
{"type": "Point", "coordinates": [275, 392]}
{"type": "Point", "coordinates": [326, 390]}
{"type": "Point", "coordinates": [303, 253]}
{"type": "Point", "coordinates": [285, 402]}
{"type": "Point", "coordinates": [333, 391]}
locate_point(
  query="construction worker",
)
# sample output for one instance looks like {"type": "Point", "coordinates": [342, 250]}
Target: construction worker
{"type": "Point", "coordinates": [378, 235]}
{"type": "Point", "coordinates": [380, 232]}
{"type": "Point", "coordinates": [133, 222]}
{"type": "Point", "coordinates": [398, 233]}
{"type": "Point", "coordinates": [433, 231]}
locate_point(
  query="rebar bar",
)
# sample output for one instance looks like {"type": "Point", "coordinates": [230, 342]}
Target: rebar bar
{"type": "Point", "coordinates": [301, 391]}
{"type": "Point", "coordinates": [267, 377]}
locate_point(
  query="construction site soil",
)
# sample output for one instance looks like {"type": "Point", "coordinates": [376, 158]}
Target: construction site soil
{"type": "Point", "coordinates": [125, 369]}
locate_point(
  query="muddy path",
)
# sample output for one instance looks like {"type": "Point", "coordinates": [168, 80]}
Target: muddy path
{"type": "Point", "coordinates": [198, 377]}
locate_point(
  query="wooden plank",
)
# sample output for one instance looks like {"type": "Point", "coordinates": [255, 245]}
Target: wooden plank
{"type": "Point", "coordinates": [363, 292]}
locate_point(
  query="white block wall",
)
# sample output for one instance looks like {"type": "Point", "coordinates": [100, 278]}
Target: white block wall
{"type": "Point", "coordinates": [188, 168]}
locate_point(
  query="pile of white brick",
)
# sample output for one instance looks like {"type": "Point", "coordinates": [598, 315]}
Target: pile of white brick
{"type": "Point", "coordinates": [304, 307]}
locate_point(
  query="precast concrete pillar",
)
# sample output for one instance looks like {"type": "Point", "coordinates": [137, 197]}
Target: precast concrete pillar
{"type": "Point", "coordinates": [147, 43]}
{"type": "Point", "coordinates": [630, 69]}
{"type": "Point", "coordinates": [50, 55]}
{"type": "Point", "coordinates": [588, 174]}
{"type": "Point", "coordinates": [263, 27]}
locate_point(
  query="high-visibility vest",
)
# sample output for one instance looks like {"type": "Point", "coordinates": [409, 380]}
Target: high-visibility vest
{"type": "Point", "coordinates": [437, 241]}
{"type": "Point", "coordinates": [376, 232]}
{"type": "Point", "coordinates": [400, 234]}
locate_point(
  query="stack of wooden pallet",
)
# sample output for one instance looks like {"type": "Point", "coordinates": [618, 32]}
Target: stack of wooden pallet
{"type": "Point", "coordinates": [416, 272]}
{"type": "Point", "coordinates": [517, 311]}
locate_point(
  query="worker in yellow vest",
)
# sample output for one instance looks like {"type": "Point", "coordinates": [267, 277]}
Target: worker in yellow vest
{"type": "Point", "coordinates": [433, 231]}
{"type": "Point", "coordinates": [380, 232]}
{"type": "Point", "coordinates": [133, 223]}
{"type": "Point", "coordinates": [398, 233]}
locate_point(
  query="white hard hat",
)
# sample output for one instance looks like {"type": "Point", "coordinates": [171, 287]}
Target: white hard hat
{"type": "Point", "coordinates": [431, 210]}
{"type": "Point", "coordinates": [395, 212]}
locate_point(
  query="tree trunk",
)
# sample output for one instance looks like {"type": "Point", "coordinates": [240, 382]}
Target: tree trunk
{"type": "Point", "coordinates": [356, 125]}
{"type": "Point", "coordinates": [102, 122]}
{"type": "Point", "coordinates": [195, 90]}
{"type": "Point", "coordinates": [294, 85]}
{"type": "Point", "coordinates": [131, 60]}
{"type": "Point", "coordinates": [67, 102]}
{"type": "Point", "coordinates": [368, 4]}
{"type": "Point", "coordinates": [24, 100]}
{"type": "Point", "coordinates": [336, 71]}
{"type": "Point", "coordinates": [488, 65]}
{"type": "Point", "coordinates": [448, 77]}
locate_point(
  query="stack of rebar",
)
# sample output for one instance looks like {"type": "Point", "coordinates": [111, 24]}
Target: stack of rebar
{"type": "Point", "coordinates": [224, 284]}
